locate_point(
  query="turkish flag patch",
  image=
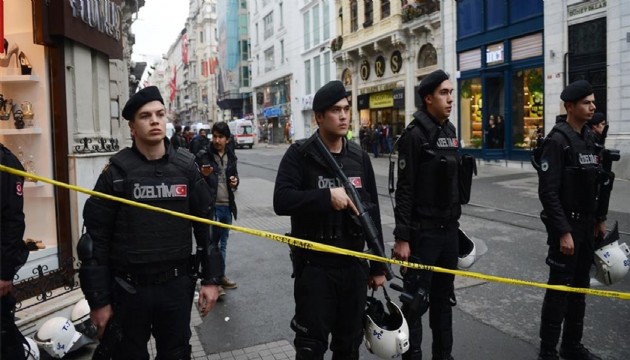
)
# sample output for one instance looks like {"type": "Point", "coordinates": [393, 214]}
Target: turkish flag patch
{"type": "Point", "coordinates": [181, 190]}
{"type": "Point", "coordinates": [356, 182]}
{"type": "Point", "coordinates": [19, 189]}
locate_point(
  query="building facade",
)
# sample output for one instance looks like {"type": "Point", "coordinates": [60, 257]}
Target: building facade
{"type": "Point", "coordinates": [276, 69]}
{"type": "Point", "coordinates": [382, 50]}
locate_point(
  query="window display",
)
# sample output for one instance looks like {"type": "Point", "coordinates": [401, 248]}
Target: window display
{"type": "Point", "coordinates": [527, 107]}
{"type": "Point", "coordinates": [471, 106]}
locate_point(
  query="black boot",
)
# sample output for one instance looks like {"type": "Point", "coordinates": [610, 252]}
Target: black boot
{"type": "Point", "coordinates": [577, 352]}
{"type": "Point", "coordinates": [415, 344]}
{"type": "Point", "coordinates": [548, 355]}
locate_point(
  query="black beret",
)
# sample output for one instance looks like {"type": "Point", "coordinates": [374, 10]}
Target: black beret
{"type": "Point", "coordinates": [576, 90]}
{"type": "Point", "coordinates": [148, 94]}
{"type": "Point", "coordinates": [328, 95]}
{"type": "Point", "coordinates": [431, 82]}
{"type": "Point", "coordinates": [596, 119]}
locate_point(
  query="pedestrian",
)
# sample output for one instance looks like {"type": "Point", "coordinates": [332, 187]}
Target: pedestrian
{"type": "Point", "coordinates": [199, 142]}
{"type": "Point", "coordinates": [218, 164]}
{"type": "Point", "coordinates": [499, 133]}
{"type": "Point", "coordinates": [375, 139]}
{"type": "Point", "coordinates": [177, 140]}
{"type": "Point", "coordinates": [389, 139]}
{"type": "Point", "coordinates": [136, 264]}
{"type": "Point", "coordinates": [188, 135]}
{"type": "Point", "coordinates": [428, 207]}
{"type": "Point", "coordinates": [599, 128]}
{"type": "Point", "coordinates": [568, 189]}
{"type": "Point", "coordinates": [363, 137]}
{"type": "Point", "coordinates": [330, 290]}
{"type": "Point", "coordinates": [13, 253]}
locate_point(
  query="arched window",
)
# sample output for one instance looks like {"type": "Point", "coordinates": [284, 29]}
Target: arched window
{"type": "Point", "coordinates": [427, 56]}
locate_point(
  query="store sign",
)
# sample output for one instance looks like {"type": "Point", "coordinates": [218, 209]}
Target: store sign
{"type": "Point", "coordinates": [365, 70]}
{"type": "Point", "coordinates": [399, 98]}
{"type": "Point", "coordinates": [274, 111]}
{"type": "Point", "coordinates": [395, 62]}
{"type": "Point", "coordinates": [105, 16]}
{"type": "Point", "coordinates": [379, 66]}
{"type": "Point", "coordinates": [307, 102]}
{"type": "Point", "coordinates": [494, 54]}
{"type": "Point", "coordinates": [96, 24]}
{"type": "Point", "coordinates": [585, 7]}
{"type": "Point", "coordinates": [381, 100]}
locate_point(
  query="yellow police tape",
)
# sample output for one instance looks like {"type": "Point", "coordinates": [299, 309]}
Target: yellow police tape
{"type": "Point", "coordinates": [310, 245]}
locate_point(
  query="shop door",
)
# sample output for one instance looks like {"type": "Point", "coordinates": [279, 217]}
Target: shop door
{"type": "Point", "coordinates": [493, 110]}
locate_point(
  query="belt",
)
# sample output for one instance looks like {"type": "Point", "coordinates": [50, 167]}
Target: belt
{"type": "Point", "coordinates": [155, 279]}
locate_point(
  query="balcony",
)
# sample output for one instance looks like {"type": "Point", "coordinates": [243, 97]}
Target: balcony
{"type": "Point", "coordinates": [413, 11]}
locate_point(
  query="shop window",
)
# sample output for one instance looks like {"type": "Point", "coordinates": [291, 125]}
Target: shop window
{"type": "Point", "coordinates": [468, 20]}
{"type": "Point", "coordinates": [427, 56]}
{"type": "Point", "coordinates": [527, 107]}
{"type": "Point", "coordinates": [470, 113]}
{"type": "Point", "coordinates": [523, 9]}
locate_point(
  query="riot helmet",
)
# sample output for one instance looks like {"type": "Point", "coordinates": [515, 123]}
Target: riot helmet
{"type": "Point", "coordinates": [467, 251]}
{"type": "Point", "coordinates": [81, 319]}
{"type": "Point", "coordinates": [611, 262]}
{"type": "Point", "coordinates": [57, 336]}
{"type": "Point", "coordinates": [31, 351]}
{"type": "Point", "coordinates": [386, 333]}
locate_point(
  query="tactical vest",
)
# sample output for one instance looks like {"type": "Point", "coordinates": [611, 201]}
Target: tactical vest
{"type": "Point", "coordinates": [580, 175]}
{"type": "Point", "coordinates": [143, 236]}
{"type": "Point", "coordinates": [437, 194]}
{"type": "Point", "coordinates": [336, 228]}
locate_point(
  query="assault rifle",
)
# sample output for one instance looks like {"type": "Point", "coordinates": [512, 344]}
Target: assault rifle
{"type": "Point", "coordinates": [367, 223]}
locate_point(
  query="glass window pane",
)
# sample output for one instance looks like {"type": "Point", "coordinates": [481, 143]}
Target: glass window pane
{"type": "Point", "coordinates": [307, 76]}
{"type": "Point", "coordinates": [316, 25]}
{"type": "Point", "coordinates": [494, 112]}
{"type": "Point", "coordinates": [326, 17]}
{"type": "Point", "coordinates": [307, 30]}
{"type": "Point", "coordinates": [527, 107]}
{"type": "Point", "coordinates": [326, 67]}
{"type": "Point", "coordinates": [317, 72]}
{"type": "Point", "coordinates": [469, 19]}
{"type": "Point", "coordinates": [470, 106]}
{"type": "Point", "coordinates": [495, 13]}
{"type": "Point", "coordinates": [522, 9]}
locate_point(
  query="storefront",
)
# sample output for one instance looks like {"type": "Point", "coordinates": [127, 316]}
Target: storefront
{"type": "Point", "coordinates": [67, 90]}
{"type": "Point", "coordinates": [274, 109]}
{"type": "Point", "coordinates": [501, 84]}
{"type": "Point", "coordinates": [384, 108]}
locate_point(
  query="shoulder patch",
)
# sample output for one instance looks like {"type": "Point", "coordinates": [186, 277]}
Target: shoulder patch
{"type": "Point", "coordinates": [402, 164]}
{"type": "Point", "coordinates": [19, 189]}
{"type": "Point", "coordinates": [544, 165]}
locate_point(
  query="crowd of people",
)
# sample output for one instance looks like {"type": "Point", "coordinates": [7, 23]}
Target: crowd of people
{"type": "Point", "coordinates": [377, 139]}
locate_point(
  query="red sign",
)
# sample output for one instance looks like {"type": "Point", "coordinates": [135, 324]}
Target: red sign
{"type": "Point", "coordinates": [185, 49]}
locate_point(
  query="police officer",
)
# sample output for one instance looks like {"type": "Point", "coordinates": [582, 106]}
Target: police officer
{"type": "Point", "coordinates": [329, 290]}
{"type": "Point", "coordinates": [427, 212]}
{"type": "Point", "coordinates": [136, 267]}
{"type": "Point", "coordinates": [568, 188]}
{"type": "Point", "coordinates": [599, 128]}
{"type": "Point", "coordinates": [13, 252]}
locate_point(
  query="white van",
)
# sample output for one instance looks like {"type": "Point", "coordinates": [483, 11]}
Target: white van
{"type": "Point", "coordinates": [244, 132]}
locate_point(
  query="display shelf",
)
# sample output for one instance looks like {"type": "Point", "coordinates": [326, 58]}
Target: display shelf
{"type": "Point", "coordinates": [18, 78]}
{"type": "Point", "coordinates": [25, 131]}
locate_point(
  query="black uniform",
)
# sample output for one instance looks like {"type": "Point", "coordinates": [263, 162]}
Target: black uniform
{"type": "Point", "coordinates": [14, 251]}
{"type": "Point", "coordinates": [142, 258]}
{"type": "Point", "coordinates": [330, 290]}
{"type": "Point", "coordinates": [427, 212]}
{"type": "Point", "coordinates": [569, 179]}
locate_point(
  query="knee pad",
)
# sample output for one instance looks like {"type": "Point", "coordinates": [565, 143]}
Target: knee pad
{"type": "Point", "coordinates": [180, 353]}
{"type": "Point", "coordinates": [308, 349]}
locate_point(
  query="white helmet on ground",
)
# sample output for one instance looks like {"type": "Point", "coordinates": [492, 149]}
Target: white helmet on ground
{"type": "Point", "coordinates": [386, 334]}
{"type": "Point", "coordinates": [81, 319]}
{"type": "Point", "coordinates": [611, 262]}
{"type": "Point", "coordinates": [31, 351]}
{"type": "Point", "coordinates": [57, 336]}
{"type": "Point", "coordinates": [467, 251]}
